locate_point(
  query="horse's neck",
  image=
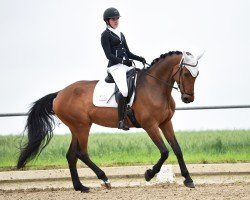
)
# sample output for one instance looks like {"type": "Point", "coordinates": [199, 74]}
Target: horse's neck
{"type": "Point", "coordinates": [163, 70]}
{"type": "Point", "coordinates": [157, 82]}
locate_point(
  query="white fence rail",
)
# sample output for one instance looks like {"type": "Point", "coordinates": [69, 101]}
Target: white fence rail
{"type": "Point", "coordinates": [178, 108]}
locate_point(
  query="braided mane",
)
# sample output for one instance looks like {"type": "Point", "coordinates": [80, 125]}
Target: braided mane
{"type": "Point", "coordinates": [170, 53]}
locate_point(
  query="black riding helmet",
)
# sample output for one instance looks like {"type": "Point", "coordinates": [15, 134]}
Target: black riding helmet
{"type": "Point", "coordinates": [110, 13]}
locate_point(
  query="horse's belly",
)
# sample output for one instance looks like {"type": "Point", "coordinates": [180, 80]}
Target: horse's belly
{"type": "Point", "coordinates": [107, 117]}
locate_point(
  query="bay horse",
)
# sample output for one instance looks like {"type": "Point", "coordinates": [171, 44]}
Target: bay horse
{"type": "Point", "coordinates": [153, 108]}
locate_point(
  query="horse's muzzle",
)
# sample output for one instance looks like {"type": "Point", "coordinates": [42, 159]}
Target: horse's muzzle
{"type": "Point", "coordinates": [187, 98]}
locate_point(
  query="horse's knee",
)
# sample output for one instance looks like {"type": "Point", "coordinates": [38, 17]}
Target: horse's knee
{"type": "Point", "coordinates": [164, 154]}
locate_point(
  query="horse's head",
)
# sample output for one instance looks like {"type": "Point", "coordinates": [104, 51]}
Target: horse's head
{"type": "Point", "coordinates": [185, 74]}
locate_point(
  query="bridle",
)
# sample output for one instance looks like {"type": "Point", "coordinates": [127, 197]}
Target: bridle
{"type": "Point", "coordinates": [181, 66]}
{"type": "Point", "coordinates": [179, 83]}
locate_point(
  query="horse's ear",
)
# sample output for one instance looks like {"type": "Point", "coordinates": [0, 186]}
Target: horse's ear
{"type": "Point", "coordinates": [199, 56]}
{"type": "Point", "coordinates": [187, 56]}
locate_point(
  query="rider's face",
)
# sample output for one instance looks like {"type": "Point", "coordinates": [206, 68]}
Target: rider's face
{"type": "Point", "coordinates": [114, 22]}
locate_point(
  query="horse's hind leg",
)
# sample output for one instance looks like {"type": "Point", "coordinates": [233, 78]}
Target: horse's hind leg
{"type": "Point", "coordinates": [168, 131]}
{"type": "Point", "coordinates": [72, 160]}
{"type": "Point", "coordinates": [82, 154]}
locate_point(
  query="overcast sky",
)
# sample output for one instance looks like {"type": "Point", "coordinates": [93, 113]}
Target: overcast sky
{"type": "Point", "coordinates": [46, 45]}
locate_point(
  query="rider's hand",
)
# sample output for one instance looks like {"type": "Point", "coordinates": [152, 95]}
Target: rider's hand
{"type": "Point", "coordinates": [127, 62]}
{"type": "Point", "coordinates": [143, 60]}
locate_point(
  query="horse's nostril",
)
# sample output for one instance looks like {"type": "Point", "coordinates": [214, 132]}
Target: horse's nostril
{"type": "Point", "coordinates": [186, 98]}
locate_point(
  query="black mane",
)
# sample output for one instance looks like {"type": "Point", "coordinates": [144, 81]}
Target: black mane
{"type": "Point", "coordinates": [170, 53]}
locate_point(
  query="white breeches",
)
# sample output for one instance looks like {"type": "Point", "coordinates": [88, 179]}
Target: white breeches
{"type": "Point", "coordinates": [119, 72]}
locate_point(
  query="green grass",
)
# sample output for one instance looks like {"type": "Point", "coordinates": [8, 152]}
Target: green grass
{"type": "Point", "coordinates": [137, 149]}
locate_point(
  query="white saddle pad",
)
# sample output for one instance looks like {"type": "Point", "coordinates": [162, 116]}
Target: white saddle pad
{"type": "Point", "coordinates": [104, 95]}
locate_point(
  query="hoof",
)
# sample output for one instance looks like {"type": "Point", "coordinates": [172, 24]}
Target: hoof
{"type": "Point", "coordinates": [106, 184]}
{"type": "Point", "coordinates": [82, 189]}
{"type": "Point", "coordinates": [189, 184]}
{"type": "Point", "coordinates": [148, 175]}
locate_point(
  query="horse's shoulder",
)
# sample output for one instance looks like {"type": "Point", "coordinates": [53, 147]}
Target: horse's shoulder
{"type": "Point", "coordinates": [172, 103]}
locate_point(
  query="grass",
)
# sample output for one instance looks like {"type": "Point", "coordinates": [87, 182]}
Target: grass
{"type": "Point", "coordinates": [136, 149]}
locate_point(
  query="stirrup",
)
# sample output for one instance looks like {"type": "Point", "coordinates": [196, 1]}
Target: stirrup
{"type": "Point", "coordinates": [122, 125]}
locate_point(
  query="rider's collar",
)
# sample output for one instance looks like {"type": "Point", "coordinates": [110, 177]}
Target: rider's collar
{"type": "Point", "coordinates": [115, 31]}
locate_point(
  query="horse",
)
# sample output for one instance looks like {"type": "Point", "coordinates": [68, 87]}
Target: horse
{"type": "Point", "coordinates": [153, 108]}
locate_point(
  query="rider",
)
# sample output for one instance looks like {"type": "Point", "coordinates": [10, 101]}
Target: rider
{"type": "Point", "coordinates": [117, 52]}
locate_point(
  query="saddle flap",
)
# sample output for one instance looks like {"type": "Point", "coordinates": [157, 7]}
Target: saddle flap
{"type": "Point", "coordinates": [105, 90]}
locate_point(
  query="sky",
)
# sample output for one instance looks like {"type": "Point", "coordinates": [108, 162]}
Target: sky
{"type": "Point", "coordinates": [46, 45]}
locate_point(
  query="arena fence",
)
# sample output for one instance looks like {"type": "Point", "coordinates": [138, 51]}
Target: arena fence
{"type": "Point", "coordinates": [178, 108]}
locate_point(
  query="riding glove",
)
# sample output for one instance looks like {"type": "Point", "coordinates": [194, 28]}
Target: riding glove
{"type": "Point", "coordinates": [127, 62]}
{"type": "Point", "coordinates": [143, 60]}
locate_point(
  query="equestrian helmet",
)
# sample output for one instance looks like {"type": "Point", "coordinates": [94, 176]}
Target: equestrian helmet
{"type": "Point", "coordinates": [110, 13]}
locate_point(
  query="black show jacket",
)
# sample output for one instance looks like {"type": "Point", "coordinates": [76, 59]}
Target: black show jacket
{"type": "Point", "coordinates": [115, 48]}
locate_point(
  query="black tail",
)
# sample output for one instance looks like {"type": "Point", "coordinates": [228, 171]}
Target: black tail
{"type": "Point", "coordinates": [40, 124]}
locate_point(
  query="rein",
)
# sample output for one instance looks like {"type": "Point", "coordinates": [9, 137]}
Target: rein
{"type": "Point", "coordinates": [163, 81]}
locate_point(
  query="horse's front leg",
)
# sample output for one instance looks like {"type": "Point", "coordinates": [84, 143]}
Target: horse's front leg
{"type": "Point", "coordinates": [168, 131]}
{"type": "Point", "coordinates": [155, 135]}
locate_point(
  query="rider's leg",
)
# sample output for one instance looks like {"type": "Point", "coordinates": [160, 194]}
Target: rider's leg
{"type": "Point", "coordinates": [119, 74]}
{"type": "Point", "coordinates": [122, 106]}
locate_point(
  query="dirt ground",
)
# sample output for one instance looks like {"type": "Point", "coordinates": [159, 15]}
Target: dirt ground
{"type": "Point", "coordinates": [224, 181]}
{"type": "Point", "coordinates": [166, 191]}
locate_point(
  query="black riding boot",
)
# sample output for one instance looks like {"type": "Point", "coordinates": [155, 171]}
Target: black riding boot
{"type": "Point", "coordinates": [122, 107]}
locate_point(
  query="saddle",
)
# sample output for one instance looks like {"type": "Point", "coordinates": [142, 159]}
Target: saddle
{"type": "Point", "coordinates": [131, 78]}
